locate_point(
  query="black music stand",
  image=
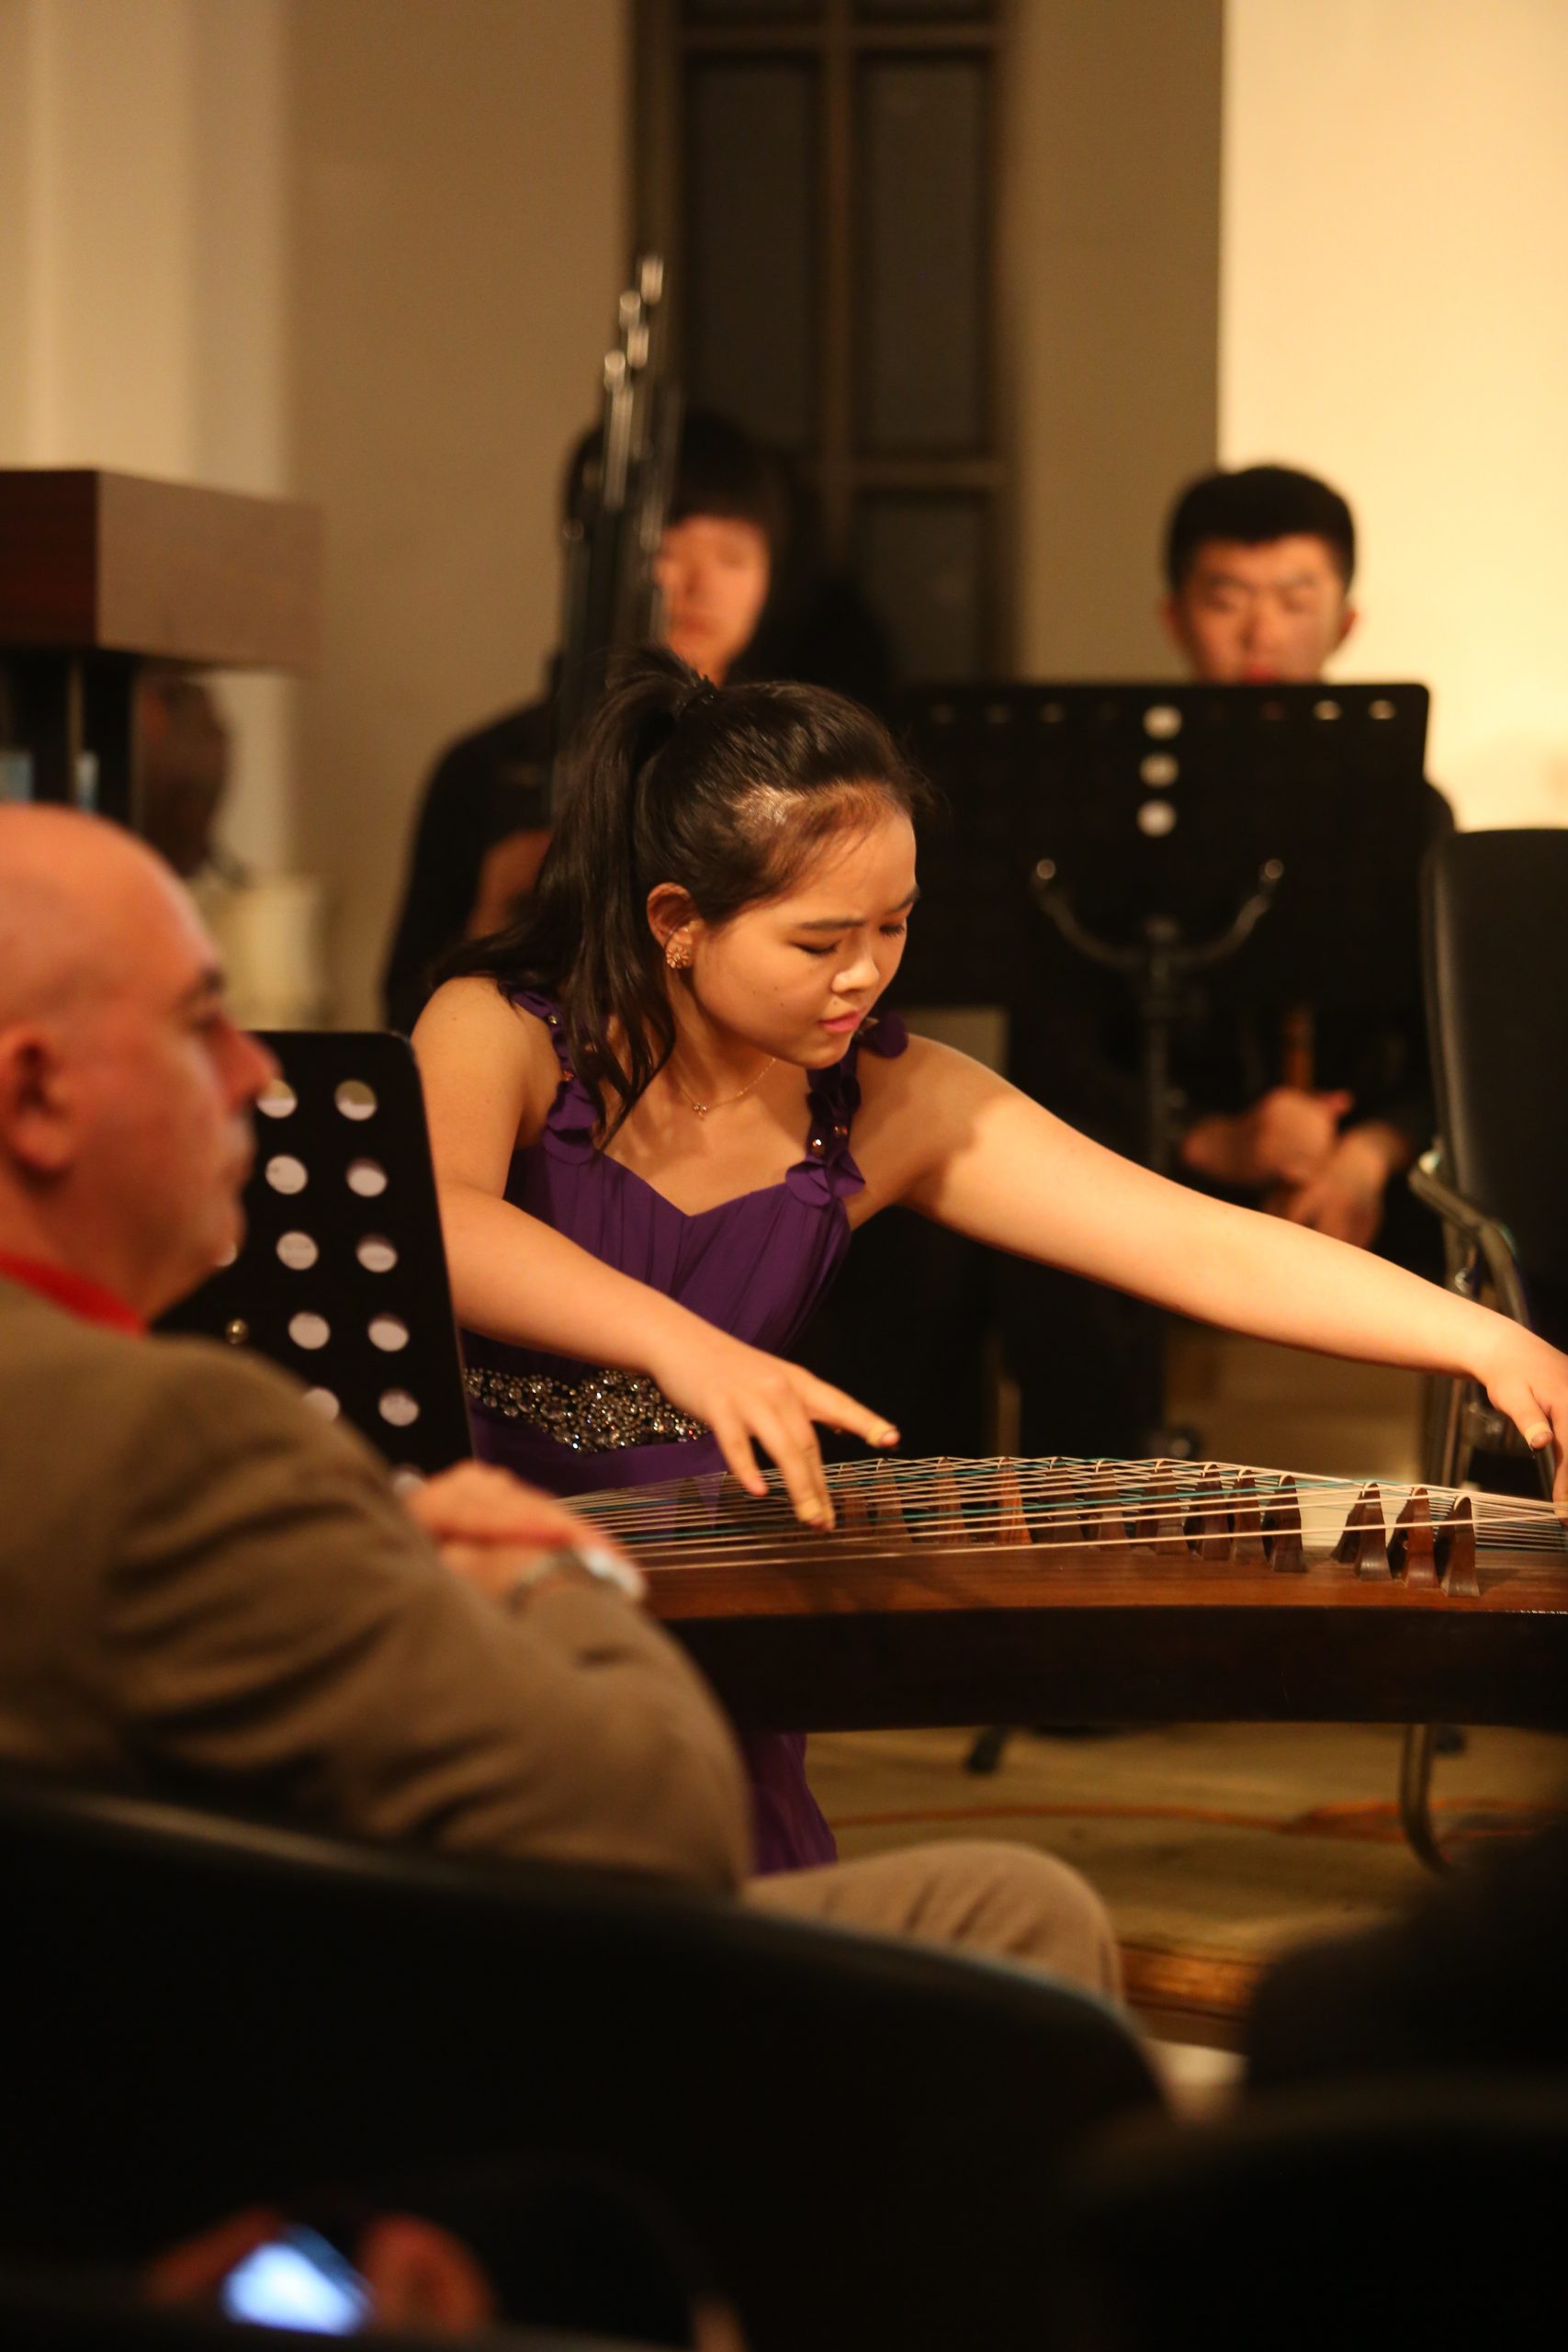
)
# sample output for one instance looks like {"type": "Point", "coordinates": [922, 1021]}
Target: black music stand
{"type": "Point", "coordinates": [342, 1277]}
{"type": "Point", "coordinates": [1255, 843]}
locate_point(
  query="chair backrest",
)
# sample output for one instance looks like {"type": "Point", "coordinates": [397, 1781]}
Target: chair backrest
{"type": "Point", "coordinates": [1425, 2211]}
{"type": "Point", "coordinates": [342, 1277]}
{"type": "Point", "coordinates": [863, 2135]}
{"type": "Point", "coordinates": [1497, 949]}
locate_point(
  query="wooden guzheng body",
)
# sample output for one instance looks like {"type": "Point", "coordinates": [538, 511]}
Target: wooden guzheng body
{"type": "Point", "coordinates": [965, 1592]}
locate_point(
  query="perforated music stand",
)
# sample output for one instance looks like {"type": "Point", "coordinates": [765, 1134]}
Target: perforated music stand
{"type": "Point", "coordinates": [1157, 808]}
{"type": "Point", "coordinates": [342, 1277]}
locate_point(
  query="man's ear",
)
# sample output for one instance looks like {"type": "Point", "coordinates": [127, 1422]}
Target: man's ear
{"type": "Point", "coordinates": [1348, 616]}
{"type": "Point", "coordinates": [38, 1127]}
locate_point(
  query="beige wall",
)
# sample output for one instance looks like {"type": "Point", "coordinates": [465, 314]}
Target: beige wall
{"type": "Point", "coordinates": [16, 167]}
{"type": "Point", "coordinates": [1394, 314]}
{"type": "Point", "coordinates": [1111, 130]}
{"type": "Point", "coordinates": [458, 240]}
{"type": "Point", "coordinates": [367, 250]}
{"type": "Point", "coordinates": [141, 299]}
{"type": "Point", "coordinates": [363, 251]}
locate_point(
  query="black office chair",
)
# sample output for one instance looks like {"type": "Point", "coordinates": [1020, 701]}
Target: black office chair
{"type": "Point", "coordinates": [1496, 923]}
{"type": "Point", "coordinates": [342, 1277]}
{"type": "Point", "coordinates": [1388, 2213]}
{"type": "Point", "coordinates": [1497, 953]}
{"type": "Point", "coordinates": [863, 2135]}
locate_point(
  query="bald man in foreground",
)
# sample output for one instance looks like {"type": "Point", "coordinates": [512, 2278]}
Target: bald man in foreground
{"type": "Point", "coordinates": [204, 1587]}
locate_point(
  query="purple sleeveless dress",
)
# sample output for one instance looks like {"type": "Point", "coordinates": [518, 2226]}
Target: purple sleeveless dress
{"type": "Point", "coordinates": [755, 1266]}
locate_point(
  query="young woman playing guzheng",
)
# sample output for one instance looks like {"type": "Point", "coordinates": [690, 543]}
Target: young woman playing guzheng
{"type": "Point", "coordinates": [661, 1105]}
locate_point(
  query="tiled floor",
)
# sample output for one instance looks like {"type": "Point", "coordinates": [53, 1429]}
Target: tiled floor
{"type": "Point", "coordinates": [1216, 1845]}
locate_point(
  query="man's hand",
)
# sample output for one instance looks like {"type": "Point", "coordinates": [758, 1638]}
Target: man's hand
{"type": "Point", "coordinates": [476, 1503]}
{"type": "Point", "coordinates": [417, 2274]}
{"type": "Point", "coordinates": [1285, 1140]}
{"type": "Point", "coordinates": [1345, 1199]}
{"type": "Point", "coordinates": [490, 1528]}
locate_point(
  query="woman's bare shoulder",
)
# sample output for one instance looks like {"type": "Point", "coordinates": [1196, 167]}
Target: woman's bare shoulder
{"type": "Point", "coordinates": [926, 1071]}
{"type": "Point", "coordinates": [472, 1038]}
{"type": "Point", "coordinates": [474, 1010]}
{"type": "Point", "coordinates": [917, 1109]}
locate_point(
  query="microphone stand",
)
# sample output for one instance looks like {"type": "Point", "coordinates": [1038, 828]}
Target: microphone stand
{"type": "Point", "coordinates": [610, 595]}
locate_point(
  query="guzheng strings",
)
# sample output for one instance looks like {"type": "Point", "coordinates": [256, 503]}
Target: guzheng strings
{"type": "Point", "coordinates": [1204, 1508]}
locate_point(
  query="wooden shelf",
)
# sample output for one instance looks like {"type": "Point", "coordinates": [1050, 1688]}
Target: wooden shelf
{"type": "Point", "coordinates": [95, 562]}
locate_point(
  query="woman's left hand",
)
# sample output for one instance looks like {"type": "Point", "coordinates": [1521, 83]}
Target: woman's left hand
{"type": "Point", "coordinates": [1527, 1380]}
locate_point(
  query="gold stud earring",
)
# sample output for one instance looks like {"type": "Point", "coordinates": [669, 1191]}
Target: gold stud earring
{"type": "Point", "coordinates": [677, 953]}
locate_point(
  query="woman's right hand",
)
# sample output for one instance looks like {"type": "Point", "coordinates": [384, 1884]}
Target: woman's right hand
{"type": "Point", "coordinates": [747, 1396]}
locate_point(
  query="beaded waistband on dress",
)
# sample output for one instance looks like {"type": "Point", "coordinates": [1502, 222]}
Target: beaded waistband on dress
{"type": "Point", "coordinates": [600, 1414]}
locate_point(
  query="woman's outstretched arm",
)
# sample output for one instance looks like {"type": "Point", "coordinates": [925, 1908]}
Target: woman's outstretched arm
{"type": "Point", "coordinates": [489, 1074]}
{"type": "Point", "coordinates": [948, 1138]}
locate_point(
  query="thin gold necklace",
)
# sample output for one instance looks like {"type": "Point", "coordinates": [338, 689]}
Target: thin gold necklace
{"type": "Point", "coordinates": [702, 1108]}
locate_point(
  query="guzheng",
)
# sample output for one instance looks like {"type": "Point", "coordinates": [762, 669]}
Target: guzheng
{"type": "Point", "coordinates": [1013, 1592]}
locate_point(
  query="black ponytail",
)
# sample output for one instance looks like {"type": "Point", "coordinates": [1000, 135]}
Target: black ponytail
{"type": "Point", "coordinates": [724, 792]}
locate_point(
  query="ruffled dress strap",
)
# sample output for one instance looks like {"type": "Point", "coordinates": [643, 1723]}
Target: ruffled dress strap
{"type": "Point", "coordinates": [568, 1132]}
{"type": "Point", "coordinates": [829, 1172]}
